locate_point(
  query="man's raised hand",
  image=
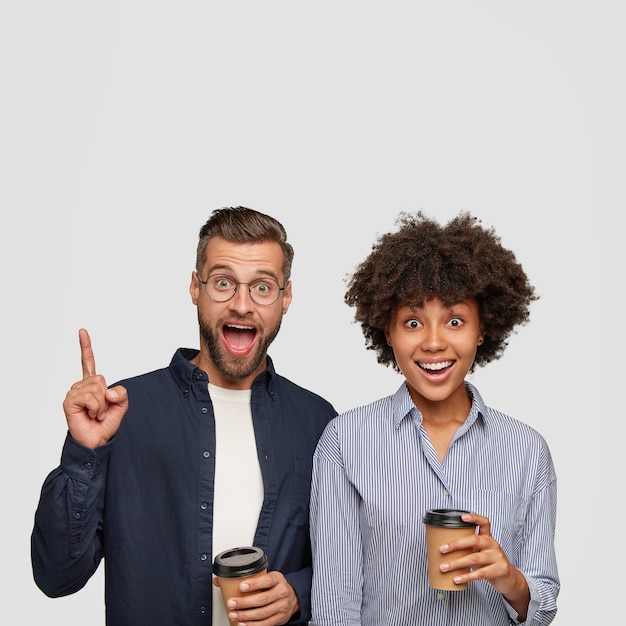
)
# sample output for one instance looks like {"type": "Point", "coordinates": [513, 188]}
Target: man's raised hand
{"type": "Point", "coordinates": [93, 411]}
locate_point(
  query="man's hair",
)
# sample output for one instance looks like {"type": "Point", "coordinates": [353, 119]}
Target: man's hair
{"type": "Point", "coordinates": [423, 260]}
{"type": "Point", "coordinates": [243, 225]}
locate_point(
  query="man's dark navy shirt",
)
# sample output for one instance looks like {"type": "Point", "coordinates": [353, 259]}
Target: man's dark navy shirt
{"type": "Point", "coordinates": [144, 501]}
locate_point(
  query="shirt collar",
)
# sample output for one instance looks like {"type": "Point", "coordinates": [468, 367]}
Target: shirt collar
{"type": "Point", "coordinates": [185, 372]}
{"type": "Point", "coordinates": [403, 405]}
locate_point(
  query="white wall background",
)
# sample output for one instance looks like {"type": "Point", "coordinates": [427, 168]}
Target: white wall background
{"type": "Point", "coordinates": [123, 124]}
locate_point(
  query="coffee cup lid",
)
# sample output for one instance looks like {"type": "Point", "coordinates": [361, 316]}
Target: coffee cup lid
{"type": "Point", "coordinates": [239, 562]}
{"type": "Point", "coordinates": [449, 518]}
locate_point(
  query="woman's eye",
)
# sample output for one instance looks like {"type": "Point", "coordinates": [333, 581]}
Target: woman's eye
{"type": "Point", "coordinates": [455, 322]}
{"type": "Point", "coordinates": [412, 324]}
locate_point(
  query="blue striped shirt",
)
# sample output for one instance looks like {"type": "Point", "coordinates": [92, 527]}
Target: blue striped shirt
{"type": "Point", "coordinates": [376, 472]}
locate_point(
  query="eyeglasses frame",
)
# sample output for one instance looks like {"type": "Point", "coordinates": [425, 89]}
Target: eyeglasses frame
{"type": "Point", "coordinates": [204, 282]}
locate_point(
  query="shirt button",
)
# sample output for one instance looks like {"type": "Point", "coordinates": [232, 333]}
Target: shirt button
{"type": "Point", "coordinates": [205, 410]}
{"type": "Point", "coordinates": [203, 610]}
{"type": "Point", "coordinates": [446, 493]}
{"type": "Point", "coordinates": [206, 454]}
{"type": "Point", "coordinates": [203, 506]}
{"type": "Point", "coordinates": [203, 557]}
{"type": "Point", "coordinates": [440, 596]}
{"type": "Point", "coordinates": [88, 464]}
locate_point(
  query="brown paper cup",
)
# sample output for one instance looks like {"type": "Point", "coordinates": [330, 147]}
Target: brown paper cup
{"type": "Point", "coordinates": [443, 526]}
{"type": "Point", "coordinates": [236, 565]}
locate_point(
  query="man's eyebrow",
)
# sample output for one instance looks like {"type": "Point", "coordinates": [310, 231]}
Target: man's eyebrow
{"type": "Point", "coordinates": [220, 266]}
{"type": "Point", "coordinates": [228, 269]}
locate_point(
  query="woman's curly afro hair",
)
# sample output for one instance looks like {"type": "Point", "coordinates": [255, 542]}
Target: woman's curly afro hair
{"type": "Point", "coordinates": [423, 260]}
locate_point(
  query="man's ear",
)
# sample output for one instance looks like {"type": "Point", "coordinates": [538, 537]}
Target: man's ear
{"type": "Point", "coordinates": [287, 297]}
{"type": "Point", "coordinates": [194, 287]}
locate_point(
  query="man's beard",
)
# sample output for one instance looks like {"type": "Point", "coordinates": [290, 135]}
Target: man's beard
{"type": "Point", "coordinates": [235, 368]}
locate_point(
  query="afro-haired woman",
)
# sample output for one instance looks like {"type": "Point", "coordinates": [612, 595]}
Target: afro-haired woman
{"type": "Point", "coordinates": [434, 301]}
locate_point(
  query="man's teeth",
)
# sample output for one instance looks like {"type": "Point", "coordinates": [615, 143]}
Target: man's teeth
{"type": "Point", "coordinates": [435, 367]}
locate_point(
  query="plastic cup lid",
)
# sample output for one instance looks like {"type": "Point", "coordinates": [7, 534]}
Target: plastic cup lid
{"type": "Point", "coordinates": [239, 562]}
{"type": "Point", "coordinates": [449, 518]}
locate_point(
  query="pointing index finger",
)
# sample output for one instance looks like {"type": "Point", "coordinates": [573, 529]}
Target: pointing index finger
{"type": "Point", "coordinates": [86, 354]}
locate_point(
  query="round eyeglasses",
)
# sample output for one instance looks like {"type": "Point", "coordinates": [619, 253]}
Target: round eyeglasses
{"type": "Point", "coordinates": [221, 288]}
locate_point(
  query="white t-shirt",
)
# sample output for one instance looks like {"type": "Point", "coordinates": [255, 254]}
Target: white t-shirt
{"type": "Point", "coordinates": [238, 481]}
